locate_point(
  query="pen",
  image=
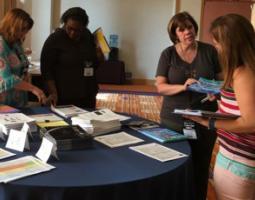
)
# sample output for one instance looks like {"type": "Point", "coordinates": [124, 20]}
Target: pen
{"type": "Point", "coordinates": [205, 99]}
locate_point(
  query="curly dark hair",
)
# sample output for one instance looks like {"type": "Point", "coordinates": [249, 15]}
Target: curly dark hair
{"type": "Point", "coordinates": [77, 14]}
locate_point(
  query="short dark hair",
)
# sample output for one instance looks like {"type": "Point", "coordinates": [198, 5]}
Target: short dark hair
{"type": "Point", "coordinates": [77, 14]}
{"type": "Point", "coordinates": [180, 20]}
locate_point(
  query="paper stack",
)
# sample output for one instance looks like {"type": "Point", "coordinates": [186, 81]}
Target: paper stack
{"type": "Point", "coordinates": [48, 120]}
{"type": "Point", "coordinates": [67, 111]}
{"type": "Point", "coordinates": [15, 121]}
{"type": "Point", "coordinates": [99, 122]}
{"type": "Point", "coordinates": [97, 127]}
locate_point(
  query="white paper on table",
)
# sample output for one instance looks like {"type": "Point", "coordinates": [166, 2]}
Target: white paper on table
{"type": "Point", "coordinates": [118, 139]}
{"type": "Point", "coordinates": [26, 129]}
{"type": "Point", "coordinates": [2, 135]}
{"type": "Point", "coordinates": [54, 147]}
{"type": "Point", "coordinates": [158, 152]}
{"type": "Point", "coordinates": [5, 154]}
{"type": "Point", "coordinates": [48, 117]}
{"type": "Point", "coordinates": [17, 140]}
{"type": "Point", "coordinates": [46, 149]}
{"type": "Point", "coordinates": [22, 167]}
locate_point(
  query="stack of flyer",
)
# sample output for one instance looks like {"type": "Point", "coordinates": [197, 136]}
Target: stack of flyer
{"type": "Point", "coordinates": [67, 111]}
{"type": "Point", "coordinates": [99, 122]}
{"type": "Point", "coordinates": [15, 121]}
{"type": "Point", "coordinates": [48, 120]}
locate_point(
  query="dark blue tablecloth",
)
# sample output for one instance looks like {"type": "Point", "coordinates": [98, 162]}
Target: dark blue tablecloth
{"type": "Point", "coordinates": [101, 172]}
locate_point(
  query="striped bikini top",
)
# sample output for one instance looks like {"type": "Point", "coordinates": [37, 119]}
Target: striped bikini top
{"type": "Point", "coordinates": [239, 144]}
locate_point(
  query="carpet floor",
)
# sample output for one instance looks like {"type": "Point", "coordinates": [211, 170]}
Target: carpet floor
{"type": "Point", "coordinates": [145, 106]}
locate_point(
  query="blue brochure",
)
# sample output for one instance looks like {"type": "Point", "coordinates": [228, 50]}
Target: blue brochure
{"type": "Point", "coordinates": [206, 86]}
{"type": "Point", "coordinates": [162, 134]}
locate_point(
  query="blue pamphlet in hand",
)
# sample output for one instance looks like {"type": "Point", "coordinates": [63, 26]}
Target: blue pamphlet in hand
{"type": "Point", "coordinates": [206, 86]}
{"type": "Point", "coordinates": [162, 134]}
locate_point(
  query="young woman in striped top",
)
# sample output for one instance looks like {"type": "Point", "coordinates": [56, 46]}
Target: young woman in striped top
{"type": "Point", "coordinates": [234, 172]}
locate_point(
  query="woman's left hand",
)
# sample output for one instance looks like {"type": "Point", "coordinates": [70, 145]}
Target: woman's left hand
{"type": "Point", "coordinates": [200, 120]}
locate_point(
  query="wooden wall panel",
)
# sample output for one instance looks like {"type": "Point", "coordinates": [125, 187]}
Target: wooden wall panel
{"type": "Point", "coordinates": [215, 8]}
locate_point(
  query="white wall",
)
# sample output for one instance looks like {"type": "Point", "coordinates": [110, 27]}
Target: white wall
{"type": "Point", "coordinates": [140, 24]}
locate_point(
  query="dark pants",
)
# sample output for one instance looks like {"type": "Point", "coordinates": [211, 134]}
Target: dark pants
{"type": "Point", "coordinates": [201, 155]}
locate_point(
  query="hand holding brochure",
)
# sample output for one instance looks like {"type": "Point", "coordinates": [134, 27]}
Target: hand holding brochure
{"type": "Point", "coordinates": [206, 114]}
{"type": "Point", "coordinates": [206, 86]}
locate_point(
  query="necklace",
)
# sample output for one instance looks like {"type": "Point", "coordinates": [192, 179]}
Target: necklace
{"type": "Point", "coordinates": [189, 54]}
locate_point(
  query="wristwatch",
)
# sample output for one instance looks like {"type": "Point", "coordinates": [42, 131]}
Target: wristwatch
{"type": "Point", "coordinates": [211, 125]}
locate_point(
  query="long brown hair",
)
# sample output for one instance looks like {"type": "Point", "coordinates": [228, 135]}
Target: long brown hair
{"type": "Point", "coordinates": [15, 21]}
{"type": "Point", "coordinates": [236, 36]}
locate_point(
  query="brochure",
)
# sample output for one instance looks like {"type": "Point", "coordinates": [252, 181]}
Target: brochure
{"type": "Point", "coordinates": [158, 152]}
{"type": "Point", "coordinates": [68, 110]}
{"type": "Point", "coordinates": [118, 139]}
{"type": "Point", "coordinates": [162, 134]}
{"type": "Point", "coordinates": [206, 86]}
{"type": "Point", "coordinates": [22, 167]}
{"type": "Point", "coordinates": [5, 154]}
{"type": "Point", "coordinates": [8, 109]}
{"type": "Point", "coordinates": [204, 113]}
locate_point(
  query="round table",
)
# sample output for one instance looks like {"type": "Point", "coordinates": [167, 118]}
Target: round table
{"type": "Point", "coordinates": [101, 172]}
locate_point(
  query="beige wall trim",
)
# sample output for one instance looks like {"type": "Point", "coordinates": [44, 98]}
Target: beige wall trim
{"type": "Point", "coordinates": [6, 5]}
{"type": "Point", "coordinates": [55, 14]}
{"type": "Point", "coordinates": [201, 18]}
{"type": "Point", "coordinates": [177, 6]}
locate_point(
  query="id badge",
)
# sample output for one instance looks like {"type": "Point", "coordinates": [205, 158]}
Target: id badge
{"type": "Point", "coordinates": [189, 130]}
{"type": "Point", "coordinates": [88, 71]}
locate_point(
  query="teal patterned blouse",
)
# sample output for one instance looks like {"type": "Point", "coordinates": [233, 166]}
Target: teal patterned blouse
{"type": "Point", "coordinates": [13, 65]}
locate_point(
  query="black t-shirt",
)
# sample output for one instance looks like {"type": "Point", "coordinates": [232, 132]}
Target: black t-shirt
{"type": "Point", "coordinates": [63, 60]}
{"type": "Point", "coordinates": [177, 71]}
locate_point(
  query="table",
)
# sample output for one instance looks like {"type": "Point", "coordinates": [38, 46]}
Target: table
{"type": "Point", "coordinates": [104, 173]}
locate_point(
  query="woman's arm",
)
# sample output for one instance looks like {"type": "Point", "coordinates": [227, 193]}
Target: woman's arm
{"type": "Point", "coordinates": [165, 88]}
{"type": "Point", "coordinates": [244, 87]}
{"type": "Point", "coordinates": [23, 85]}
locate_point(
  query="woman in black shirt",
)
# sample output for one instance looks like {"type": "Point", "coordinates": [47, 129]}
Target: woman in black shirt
{"type": "Point", "coordinates": [68, 62]}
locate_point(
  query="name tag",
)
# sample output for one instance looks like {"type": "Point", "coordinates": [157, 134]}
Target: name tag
{"type": "Point", "coordinates": [189, 130]}
{"type": "Point", "coordinates": [88, 72]}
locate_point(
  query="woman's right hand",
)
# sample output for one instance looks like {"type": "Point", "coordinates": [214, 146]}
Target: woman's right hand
{"type": "Point", "coordinates": [188, 82]}
{"type": "Point", "coordinates": [53, 99]}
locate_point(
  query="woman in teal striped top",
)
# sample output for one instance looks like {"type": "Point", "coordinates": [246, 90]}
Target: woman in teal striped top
{"type": "Point", "coordinates": [13, 62]}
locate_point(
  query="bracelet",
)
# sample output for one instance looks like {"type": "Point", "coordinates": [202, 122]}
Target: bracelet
{"type": "Point", "coordinates": [211, 125]}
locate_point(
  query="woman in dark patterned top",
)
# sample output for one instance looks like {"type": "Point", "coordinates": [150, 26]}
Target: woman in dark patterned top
{"type": "Point", "coordinates": [68, 62]}
{"type": "Point", "coordinates": [179, 66]}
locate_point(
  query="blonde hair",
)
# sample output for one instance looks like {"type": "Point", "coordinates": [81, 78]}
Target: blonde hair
{"type": "Point", "coordinates": [14, 22]}
{"type": "Point", "coordinates": [236, 36]}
